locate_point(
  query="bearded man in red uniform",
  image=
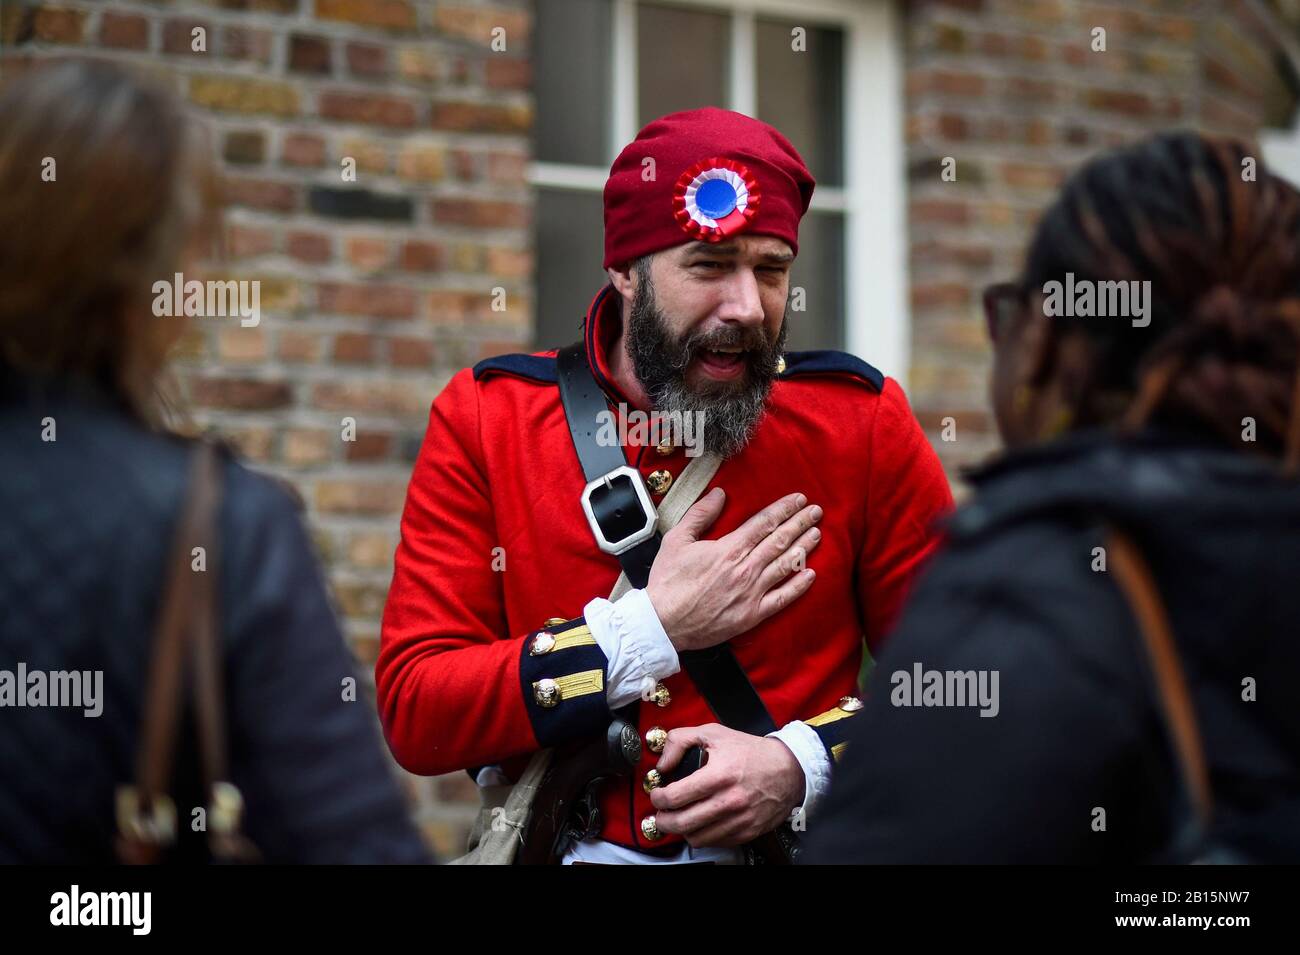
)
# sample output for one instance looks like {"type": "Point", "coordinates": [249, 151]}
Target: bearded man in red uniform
{"type": "Point", "coordinates": [497, 637]}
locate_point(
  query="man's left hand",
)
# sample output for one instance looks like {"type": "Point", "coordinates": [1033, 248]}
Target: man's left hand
{"type": "Point", "coordinates": [747, 787]}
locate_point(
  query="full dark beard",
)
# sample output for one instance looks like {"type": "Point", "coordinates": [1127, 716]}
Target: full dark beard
{"type": "Point", "coordinates": [729, 411]}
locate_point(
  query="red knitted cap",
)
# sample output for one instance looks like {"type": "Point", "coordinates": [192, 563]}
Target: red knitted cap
{"type": "Point", "coordinates": [715, 173]}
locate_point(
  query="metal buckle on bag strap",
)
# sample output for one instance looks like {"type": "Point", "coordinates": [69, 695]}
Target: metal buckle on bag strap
{"type": "Point", "coordinates": [613, 493]}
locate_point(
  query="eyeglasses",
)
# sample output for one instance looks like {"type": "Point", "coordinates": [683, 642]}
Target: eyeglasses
{"type": "Point", "coordinates": [1002, 301]}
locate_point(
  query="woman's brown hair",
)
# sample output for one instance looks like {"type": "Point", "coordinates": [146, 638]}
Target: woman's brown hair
{"type": "Point", "coordinates": [108, 181]}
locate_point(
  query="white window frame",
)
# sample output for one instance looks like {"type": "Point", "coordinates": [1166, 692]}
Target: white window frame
{"type": "Point", "coordinates": [873, 196]}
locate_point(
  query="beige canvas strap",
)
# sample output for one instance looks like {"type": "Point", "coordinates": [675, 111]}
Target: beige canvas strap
{"type": "Point", "coordinates": [686, 490]}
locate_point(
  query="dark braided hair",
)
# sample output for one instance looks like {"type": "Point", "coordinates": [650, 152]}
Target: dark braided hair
{"type": "Point", "coordinates": [1222, 254]}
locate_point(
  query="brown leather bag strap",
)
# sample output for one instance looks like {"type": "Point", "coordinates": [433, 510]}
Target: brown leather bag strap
{"type": "Point", "coordinates": [1138, 586]}
{"type": "Point", "coordinates": [187, 638]}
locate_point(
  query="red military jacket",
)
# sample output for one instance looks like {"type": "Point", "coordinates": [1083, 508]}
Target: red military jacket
{"type": "Point", "coordinates": [494, 544]}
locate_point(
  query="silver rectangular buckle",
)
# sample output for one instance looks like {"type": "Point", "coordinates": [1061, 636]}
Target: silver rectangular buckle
{"type": "Point", "coordinates": [647, 508]}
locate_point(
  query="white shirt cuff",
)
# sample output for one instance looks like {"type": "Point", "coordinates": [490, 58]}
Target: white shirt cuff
{"type": "Point", "coordinates": [807, 747]}
{"type": "Point", "coordinates": [637, 649]}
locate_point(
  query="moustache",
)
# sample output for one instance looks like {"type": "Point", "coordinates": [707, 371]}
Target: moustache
{"type": "Point", "coordinates": [753, 342]}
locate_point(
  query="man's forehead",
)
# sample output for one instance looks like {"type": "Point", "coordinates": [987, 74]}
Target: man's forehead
{"type": "Point", "coordinates": [765, 246]}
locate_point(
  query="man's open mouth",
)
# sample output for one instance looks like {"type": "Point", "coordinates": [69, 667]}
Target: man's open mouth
{"type": "Point", "coordinates": [721, 362]}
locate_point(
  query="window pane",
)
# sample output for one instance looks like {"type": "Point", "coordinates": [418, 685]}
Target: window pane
{"type": "Point", "coordinates": [573, 82]}
{"type": "Point", "coordinates": [683, 59]}
{"type": "Point", "coordinates": [800, 93]}
{"type": "Point", "coordinates": [570, 248]}
{"type": "Point", "coordinates": [819, 271]}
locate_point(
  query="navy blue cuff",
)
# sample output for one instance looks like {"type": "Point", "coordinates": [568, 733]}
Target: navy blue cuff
{"type": "Point", "coordinates": [562, 675]}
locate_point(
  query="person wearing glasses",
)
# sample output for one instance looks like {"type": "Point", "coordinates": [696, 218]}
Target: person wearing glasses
{"type": "Point", "coordinates": [1146, 380]}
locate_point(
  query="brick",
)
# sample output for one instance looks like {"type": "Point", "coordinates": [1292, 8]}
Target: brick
{"type": "Point", "coordinates": [421, 162]}
{"type": "Point", "coordinates": [422, 64]}
{"type": "Point", "coordinates": [369, 253]}
{"type": "Point", "coordinates": [481, 118]}
{"type": "Point", "coordinates": [952, 126]}
{"type": "Point", "coordinates": [241, 345]}
{"type": "Point", "coordinates": [420, 256]}
{"type": "Point", "coordinates": [305, 446]}
{"type": "Point", "coordinates": [356, 496]}
{"type": "Point", "coordinates": [359, 204]}
{"type": "Point", "coordinates": [247, 43]}
{"type": "Point", "coordinates": [315, 247]}
{"type": "Point", "coordinates": [452, 308]}
{"type": "Point", "coordinates": [369, 155]}
{"type": "Point", "coordinates": [1118, 101]}
{"type": "Point", "coordinates": [502, 73]}
{"type": "Point", "coordinates": [509, 263]}
{"type": "Point", "coordinates": [124, 31]}
{"type": "Point", "coordinates": [940, 295]}
{"type": "Point", "coordinates": [371, 108]}
{"type": "Point", "coordinates": [56, 25]}
{"type": "Point", "coordinates": [411, 353]}
{"type": "Point", "coordinates": [303, 149]}
{"type": "Point", "coordinates": [941, 252]}
{"type": "Point", "coordinates": [249, 394]}
{"type": "Point", "coordinates": [368, 446]}
{"type": "Point", "coordinates": [365, 648]}
{"type": "Point", "coordinates": [246, 242]}
{"type": "Point", "coordinates": [243, 95]}
{"type": "Point", "coordinates": [372, 549]}
{"type": "Point", "coordinates": [507, 167]}
{"type": "Point", "coordinates": [476, 24]}
{"type": "Point", "coordinates": [491, 349]}
{"type": "Point", "coordinates": [178, 36]}
{"type": "Point", "coordinates": [354, 348]}
{"type": "Point", "coordinates": [377, 397]}
{"type": "Point", "coordinates": [367, 59]}
{"type": "Point", "coordinates": [244, 146]}
{"type": "Point", "coordinates": [466, 164]}
{"type": "Point", "coordinates": [261, 194]}
{"type": "Point", "coordinates": [389, 14]}
{"type": "Point", "coordinates": [939, 211]}
{"type": "Point", "coordinates": [945, 82]}
{"type": "Point", "coordinates": [310, 54]}
{"type": "Point", "coordinates": [361, 600]}
{"type": "Point", "coordinates": [377, 301]}
{"type": "Point", "coordinates": [480, 213]}
{"type": "Point", "coordinates": [298, 346]}
{"type": "Point", "coordinates": [466, 257]}
{"type": "Point", "coordinates": [1025, 175]}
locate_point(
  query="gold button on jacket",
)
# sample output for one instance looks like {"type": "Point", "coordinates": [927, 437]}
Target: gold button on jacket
{"type": "Point", "coordinates": [659, 481]}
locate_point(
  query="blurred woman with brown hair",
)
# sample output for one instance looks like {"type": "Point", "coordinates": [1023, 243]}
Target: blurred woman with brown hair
{"type": "Point", "coordinates": [1124, 578]}
{"type": "Point", "coordinates": [206, 719]}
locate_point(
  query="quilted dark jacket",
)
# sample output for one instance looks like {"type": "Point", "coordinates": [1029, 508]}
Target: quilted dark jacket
{"type": "Point", "coordinates": [85, 524]}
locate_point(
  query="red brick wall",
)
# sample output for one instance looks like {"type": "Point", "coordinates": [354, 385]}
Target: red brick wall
{"type": "Point", "coordinates": [1012, 90]}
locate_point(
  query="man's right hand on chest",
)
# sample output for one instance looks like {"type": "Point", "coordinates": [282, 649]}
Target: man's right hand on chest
{"type": "Point", "coordinates": [707, 591]}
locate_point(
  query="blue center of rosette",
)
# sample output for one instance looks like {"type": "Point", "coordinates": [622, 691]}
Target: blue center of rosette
{"type": "Point", "coordinates": [716, 198]}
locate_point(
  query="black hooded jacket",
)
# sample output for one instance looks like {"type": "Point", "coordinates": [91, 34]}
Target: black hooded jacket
{"type": "Point", "coordinates": [86, 524]}
{"type": "Point", "coordinates": [1077, 725]}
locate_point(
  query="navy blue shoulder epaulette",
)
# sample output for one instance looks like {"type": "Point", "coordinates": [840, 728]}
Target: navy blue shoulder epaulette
{"type": "Point", "coordinates": [533, 367]}
{"type": "Point", "coordinates": [831, 362]}
{"type": "Point", "coordinates": [542, 368]}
